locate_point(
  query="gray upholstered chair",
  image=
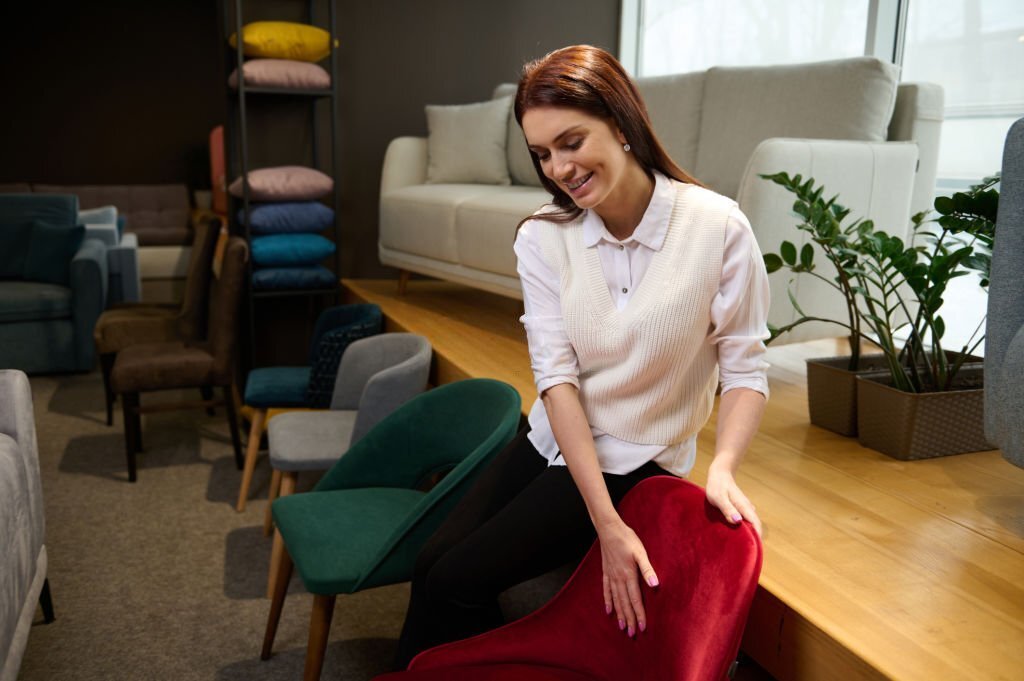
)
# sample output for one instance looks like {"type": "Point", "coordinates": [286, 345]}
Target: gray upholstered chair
{"type": "Point", "coordinates": [1004, 334]}
{"type": "Point", "coordinates": [23, 559]}
{"type": "Point", "coordinates": [376, 375]}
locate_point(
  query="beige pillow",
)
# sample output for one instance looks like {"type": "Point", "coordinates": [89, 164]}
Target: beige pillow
{"type": "Point", "coordinates": [520, 165]}
{"type": "Point", "coordinates": [466, 143]}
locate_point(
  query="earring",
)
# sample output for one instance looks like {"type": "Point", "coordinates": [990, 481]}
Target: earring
{"type": "Point", "coordinates": [626, 147]}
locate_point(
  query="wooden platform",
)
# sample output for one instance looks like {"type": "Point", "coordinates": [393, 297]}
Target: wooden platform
{"type": "Point", "coordinates": [874, 568]}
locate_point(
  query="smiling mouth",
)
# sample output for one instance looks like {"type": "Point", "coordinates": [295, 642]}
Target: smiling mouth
{"type": "Point", "coordinates": [573, 186]}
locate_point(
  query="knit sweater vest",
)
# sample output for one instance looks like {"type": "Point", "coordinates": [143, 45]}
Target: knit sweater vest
{"type": "Point", "coordinates": [647, 373]}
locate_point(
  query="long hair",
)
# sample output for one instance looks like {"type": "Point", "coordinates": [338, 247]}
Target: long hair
{"type": "Point", "coordinates": [591, 80]}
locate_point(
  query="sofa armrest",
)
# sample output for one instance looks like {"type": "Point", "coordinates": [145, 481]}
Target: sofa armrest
{"type": "Point", "coordinates": [105, 233]}
{"type": "Point", "coordinates": [873, 179]}
{"type": "Point", "coordinates": [123, 264]}
{"type": "Point", "coordinates": [405, 163]}
{"type": "Point", "coordinates": [88, 297]}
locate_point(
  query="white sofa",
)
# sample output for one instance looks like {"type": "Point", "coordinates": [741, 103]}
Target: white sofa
{"type": "Point", "coordinates": [844, 122]}
{"type": "Point", "coordinates": [23, 555]}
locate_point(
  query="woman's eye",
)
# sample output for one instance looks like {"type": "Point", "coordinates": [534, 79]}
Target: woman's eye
{"type": "Point", "coordinates": [543, 157]}
{"type": "Point", "coordinates": [573, 146]}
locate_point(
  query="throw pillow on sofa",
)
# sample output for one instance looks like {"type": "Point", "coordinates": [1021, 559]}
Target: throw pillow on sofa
{"type": "Point", "coordinates": [284, 40]}
{"type": "Point", "coordinates": [14, 240]}
{"type": "Point", "coordinates": [466, 143]}
{"type": "Point", "coordinates": [284, 183]}
{"type": "Point", "coordinates": [290, 250]}
{"type": "Point", "coordinates": [288, 217]}
{"type": "Point", "coordinates": [50, 250]}
{"type": "Point", "coordinates": [283, 73]}
{"type": "Point", "coordinates": [281, 278]}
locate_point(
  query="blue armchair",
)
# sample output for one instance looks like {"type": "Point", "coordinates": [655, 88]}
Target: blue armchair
{"type": "Point", "coordinates": [53, 285]}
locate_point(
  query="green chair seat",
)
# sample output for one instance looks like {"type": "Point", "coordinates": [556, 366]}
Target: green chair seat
{"type": "Point", "coordinates": [334, 537]}
{"type": "Point", "coordinates": [27, 301]}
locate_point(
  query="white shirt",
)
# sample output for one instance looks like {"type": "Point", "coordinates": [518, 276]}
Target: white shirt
{"type": "Point", "coordinates": [738, 320]}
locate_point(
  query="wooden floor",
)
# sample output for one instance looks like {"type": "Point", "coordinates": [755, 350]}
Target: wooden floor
{"type": "Point", "coordinates": [874, 568]}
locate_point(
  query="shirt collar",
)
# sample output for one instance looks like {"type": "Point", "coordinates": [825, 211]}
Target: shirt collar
{"type": "Point", "coordinates": [653, 225]}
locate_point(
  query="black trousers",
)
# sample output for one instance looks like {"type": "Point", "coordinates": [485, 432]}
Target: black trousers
{"type": "Point", "coordinates": [521, 519]}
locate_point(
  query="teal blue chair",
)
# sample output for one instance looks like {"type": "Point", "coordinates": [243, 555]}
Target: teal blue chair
{"type": "Point", "coordinates": [304, 387]}
{"type": "Point", "coordinates": [365, 522]}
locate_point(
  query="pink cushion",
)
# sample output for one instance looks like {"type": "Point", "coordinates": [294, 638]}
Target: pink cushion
{"type": "Point", "coordinates": [488, 672]}
{"type": "Point", "coordinates": [286, 73]}
{"type": "Point", "coordinates": [284, 183]}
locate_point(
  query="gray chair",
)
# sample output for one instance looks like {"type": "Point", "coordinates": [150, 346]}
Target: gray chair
{"type": "Point", "coordinates": [23, 560]}
{"type": "Point", "coordinates": [1004, 333]}
{"type": "Point", "coordinates": [376, 375]}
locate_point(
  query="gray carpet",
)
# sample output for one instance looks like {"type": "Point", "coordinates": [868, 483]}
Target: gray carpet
{"type": "Point", "coordinates": [162, 579]}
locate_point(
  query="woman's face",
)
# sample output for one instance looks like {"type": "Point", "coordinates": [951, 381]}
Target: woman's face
{"type": "Point", "coordinates": [580, 153]}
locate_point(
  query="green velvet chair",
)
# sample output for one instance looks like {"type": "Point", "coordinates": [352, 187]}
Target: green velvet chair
{"type": "Point", "coordinates": [365, 522]}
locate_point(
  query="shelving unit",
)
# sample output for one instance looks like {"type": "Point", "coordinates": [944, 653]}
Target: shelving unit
{"type": "Point", "coordinates": [238, 156]}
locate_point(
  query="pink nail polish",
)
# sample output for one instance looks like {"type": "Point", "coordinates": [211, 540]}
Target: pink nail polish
{"type": "Point", "coordinates": [653, 581]}
{"type": "Point", "coordinates": [629, 632]}
{"type": "Point", "coordinates": [643, 625]}
{"type": "Point", "coordinates": [622, 624]}
{"type": "Point", "coordinates": [737, 518]}
{"type": "Point", "coordinates": [607, 609]}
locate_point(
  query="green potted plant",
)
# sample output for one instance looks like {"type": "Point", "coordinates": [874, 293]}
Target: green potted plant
{"type": "Point", "coordinates": [895, 289]}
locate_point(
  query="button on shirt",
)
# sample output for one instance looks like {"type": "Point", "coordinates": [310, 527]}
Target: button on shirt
{"type": "Point", "coordinates": [738, 327]}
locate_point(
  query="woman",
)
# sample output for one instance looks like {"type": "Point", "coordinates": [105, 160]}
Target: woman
{"type": "Point", "coordinates": [638, 285]}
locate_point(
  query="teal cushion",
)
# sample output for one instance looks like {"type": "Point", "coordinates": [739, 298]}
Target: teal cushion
{"type": "Point", "coordinates": [334, 537]}
{"type": "Point", "coordinates": [58, 209]}
{"type": "Point", "coordinates": [14, 240]}
{"type": "Point", "coordinates": [290, 250]}
{"type": "Point", "coordinates": [23, 301]}
{"type": "Point", "coordinates": [277, 387]}
{"type": "Point", "coordinates": [51, 248]}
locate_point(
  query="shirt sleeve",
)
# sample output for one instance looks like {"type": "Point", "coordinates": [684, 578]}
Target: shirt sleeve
{"type": "Point", "coordinates": [552, 357]}
{"type": "Point", "coordinates": [739, 311]}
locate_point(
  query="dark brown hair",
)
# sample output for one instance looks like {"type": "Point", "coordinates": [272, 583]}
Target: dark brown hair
{"type": "Point", "coordinates": [591, 80]}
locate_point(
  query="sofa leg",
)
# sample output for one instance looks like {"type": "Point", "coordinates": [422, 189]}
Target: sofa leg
{"type": "Point", "coordinates": [403, 281]}
{"type": "Point", "coordinates": [46, 602]}
{"type": "Point", "coordinates": [132, 426]}
{"type": "Point", "coordinates": [106, 366]}
{"type": "Point", "coordinates": [236, 441]}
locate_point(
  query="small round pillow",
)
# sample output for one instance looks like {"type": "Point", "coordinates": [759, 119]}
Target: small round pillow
{"type": "Point", "coordinates": [284, 183]}
{"type": "Point", "coordinates": [290, 250]}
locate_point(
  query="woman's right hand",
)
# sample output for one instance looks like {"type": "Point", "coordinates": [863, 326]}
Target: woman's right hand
{"type": "Point", "coordinates": [622, 555]}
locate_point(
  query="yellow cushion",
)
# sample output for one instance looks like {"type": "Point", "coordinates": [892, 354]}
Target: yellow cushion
{"type": "Point", "coordinates": [284, 40]}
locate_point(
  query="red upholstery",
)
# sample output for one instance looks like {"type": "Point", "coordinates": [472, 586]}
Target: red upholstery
{"type": "Point", "coordinates": [708, 572]}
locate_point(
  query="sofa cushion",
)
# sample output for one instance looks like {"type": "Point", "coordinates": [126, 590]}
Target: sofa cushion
{"type": "Point", "coordinates": [290, 250]}
{"type": "Point", "coordinates": [24, 301]}
{"type": "Point", "coordinates": [14, 240]}
{"type": "Point", "coordinates": [420, 219]}
{"type": "Point", "coordinates": [103, 215]}
{"type": "Point", "coordinates": [282, 73]}
{"type": "Point", "coordinates": [847, 99]}
{"type": "Point", "coordinates": [674, 105]}
{"type": "Point", "coordinates": [284, 183]}
{"type": "Point", "coordinates": [50, 250]}
{"type": "Point", "coordinates": [520, 163]}
{"type": "Point", "coordinates": [466, 143]}
{"type": "Point", "coordinates": [485, 228]}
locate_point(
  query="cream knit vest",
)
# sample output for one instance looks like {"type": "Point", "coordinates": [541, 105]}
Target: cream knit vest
{"type": "Point", "coordinates": [647, 373]}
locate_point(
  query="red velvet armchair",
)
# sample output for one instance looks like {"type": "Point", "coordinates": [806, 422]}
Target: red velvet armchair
{"type": "Point", "coordinates": [708, 572]}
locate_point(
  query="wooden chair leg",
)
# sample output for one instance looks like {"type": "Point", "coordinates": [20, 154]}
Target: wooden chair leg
{"type": "Point", "coordinates": [132, 426]}
{"type": "Point", "coordinates": [319, 629]}
{"type": "Point", "coordinates": [252, 450]}
{"type": "Point", "coordinates": [106, 366]}
{"type": "Point", "coordinates": [403, 281]}
{"type": "Point", "coordinates": [46, 602]}
{"type": "Point", "coordinates": [236, 440]}
{"type": "Point", "coordinates": [268, 515]}
{"type": "Point", "coordinates": [207, 392]}
{"type": "Point", "coordinates": [284, 575]}
{"type": "Point", "coordinates": [287, 487]}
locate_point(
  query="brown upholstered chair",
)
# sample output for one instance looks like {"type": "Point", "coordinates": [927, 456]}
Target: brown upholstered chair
{"type": "Point", "coordinates": [178, 364]}
{"type": "Point", "coordinates": [134, 323]}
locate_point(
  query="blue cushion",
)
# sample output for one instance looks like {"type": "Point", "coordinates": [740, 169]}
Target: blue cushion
{"type": "Point", "coordinates": [290, 250]}
{"type": "Point", "coordinates": [14, 240]}
{"type": "Point", "coordinates": [277, 387]}
{"type": "Point", "coordinates": [120, 226]}
{"type": "Point", "coordinates": [58, 209]}
{"type": "Point", "coordinates": [25, 301]}
{"type": "Point", "coordinates": [288, 217]}
{"type": "Point", "coordinates": [280, 278]}
{"type": "Point", "coordinates": [50, 250]}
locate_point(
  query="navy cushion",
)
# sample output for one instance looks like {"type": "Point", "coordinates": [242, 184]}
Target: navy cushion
{"type": "Point", "coordinates": [277, 387]}
{"type": "Point", "coordinates": [290, 250]}
{"type": "Point", "coordinates": [50, 250]}
{"type": "Point", "coordinates": [288, 217]}
{"type": "Point", "coordinates": [278, 278]}
{"type": "Point", "coordinates": [14, 240]}
{"type": "Point", "coordinates": [58, 209]}
{"type": "Point", "coordinates": [25, 301]}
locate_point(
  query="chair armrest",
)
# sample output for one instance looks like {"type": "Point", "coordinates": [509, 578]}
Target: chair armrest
{"type": "Point", "coordinates": [405, 163]}
{"type": "Point", "coordinates": [873, 179]}
{"type": "Point", "coordinates": [88, 297]}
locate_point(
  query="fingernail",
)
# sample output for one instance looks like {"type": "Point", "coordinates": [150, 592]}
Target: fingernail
{"type": "Point", "coordinates": [643, 625]}
{"type": "Point", "coordinates": [629, 632]}
{"type": "Point", "coordinates": [736, 518]}
{"type": "Point", "coordinates": [622, 624]}
{"type": "Point", "coordinates": [652, 580]}
{"type": "Point", "coordinates": [607, 609]}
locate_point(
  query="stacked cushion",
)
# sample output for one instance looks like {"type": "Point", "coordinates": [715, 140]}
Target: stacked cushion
{"type": "Point", "coordinates": [284, 40]}
{"type": "Point", "coordinates": [282, 73]}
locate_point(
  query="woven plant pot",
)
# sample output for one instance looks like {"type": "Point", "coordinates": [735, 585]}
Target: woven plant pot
{"type": "Point", "coordinates": [832, 391]}
{"type": "Point", "coordinates": [910, 426]}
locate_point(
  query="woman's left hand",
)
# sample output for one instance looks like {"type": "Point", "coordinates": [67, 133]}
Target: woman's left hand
{"type": "Point", "coordinates": [726, 496]}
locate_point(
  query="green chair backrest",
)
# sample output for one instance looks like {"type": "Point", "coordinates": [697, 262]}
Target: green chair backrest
{"type": "Point", "coordinates": [458, 426]}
